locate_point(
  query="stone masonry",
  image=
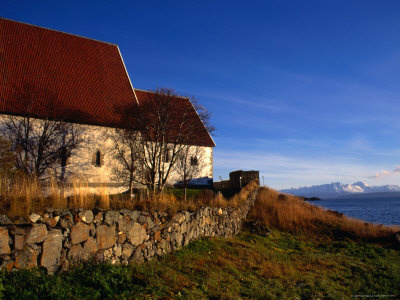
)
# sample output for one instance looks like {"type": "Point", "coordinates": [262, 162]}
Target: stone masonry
{"type": "Point", "coordinates": [237, 180]}
{"type": "Point", "coordinates": [58, 238]}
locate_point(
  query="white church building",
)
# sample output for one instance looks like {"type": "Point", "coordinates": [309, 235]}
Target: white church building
{"type": "Point", "coordinates": [85, 80]}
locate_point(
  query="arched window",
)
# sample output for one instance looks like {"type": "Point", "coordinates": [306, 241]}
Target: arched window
{"type": "Point", "coordinates": [167, 155]}
{"type": "Point", "coordinates": [193, 161]}
{"type": "Point", "coordinates": [98, 158]}
{"type": "Point", "coordinates": [63, 157]}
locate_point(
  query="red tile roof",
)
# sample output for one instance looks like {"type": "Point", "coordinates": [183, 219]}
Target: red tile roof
{"type": "Point", "coordinates": [47, 73]}
{"type": "Point", "coordinates": [50, 74]}
{"type": "Point", "coordinates": [179, 107]}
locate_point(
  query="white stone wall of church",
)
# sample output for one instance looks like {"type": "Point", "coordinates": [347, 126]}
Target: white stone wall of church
{"type": "Point", "coordinates": [80, 165]}
{"type": "Point", "coordinates": [205, 163]}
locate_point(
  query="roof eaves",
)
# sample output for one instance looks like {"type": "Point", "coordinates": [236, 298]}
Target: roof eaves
{"type": "Point", "coordinates": [88, 123]}
{"type": "Point", "coordinates": [154, 92]}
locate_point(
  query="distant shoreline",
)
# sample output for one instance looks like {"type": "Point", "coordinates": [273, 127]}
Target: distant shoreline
{"type": "Point", "coordinates": [371, 208]}
{"type": "Point", "coordinates": [350, 196]}
{"type": "Point", "coordinates": [367, 195]}
{"type": "Point", "coordinates": [310, 198]}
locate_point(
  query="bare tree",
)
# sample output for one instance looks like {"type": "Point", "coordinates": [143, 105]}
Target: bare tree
{"type": "Point", "coordinates": [127, 152]}
{"type": "Point", "coordinates": [7, 159]}
{"type": "Point", "coordinates": [188, 165]}
{"type": "Point", "coordinates": [166, 124]}
{"type": "Point", "coordinates": [43, 142]}
{"type": "Point", "coordinates": [40, 144]}
{"type": "Point", "coordinates": [205, 116]}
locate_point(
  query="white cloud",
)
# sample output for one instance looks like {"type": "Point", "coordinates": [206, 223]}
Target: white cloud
{"type": "Point", "coordinates": [385, 173]}
{"type": "Point", "coordinates": [282, 171]}
{"type": "Point", "coordinates": [380, 174]}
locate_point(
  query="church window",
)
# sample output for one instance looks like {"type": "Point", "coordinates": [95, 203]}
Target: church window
{"type": "Point", "coordinates": [193, 161]}
{"type": "Point", "coordinates": [98, 158]}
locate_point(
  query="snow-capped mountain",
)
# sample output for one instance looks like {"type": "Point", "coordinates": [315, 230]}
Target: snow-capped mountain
{"type": "Point", "coordinates": [337, 189]}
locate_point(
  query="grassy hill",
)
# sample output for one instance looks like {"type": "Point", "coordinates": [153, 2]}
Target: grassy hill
{"type": "Point", "coordinates": [303, 255]}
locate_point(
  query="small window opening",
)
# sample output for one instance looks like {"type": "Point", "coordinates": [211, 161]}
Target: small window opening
{"type": "Point", "coordinates": [63, 157]}
{"type": "Point", "coordinates": [193, 161]}
{"type": "Point", "coordinates": [98, 158]}
{"type": "Point", "coordinates": [167, 156]}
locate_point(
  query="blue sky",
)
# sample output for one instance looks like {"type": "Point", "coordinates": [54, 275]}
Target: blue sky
{"type": "Point", "coordinates": [307, 92]}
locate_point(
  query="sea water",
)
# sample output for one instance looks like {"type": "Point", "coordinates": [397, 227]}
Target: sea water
{"type": "Point", "coordinates": [384, 210]}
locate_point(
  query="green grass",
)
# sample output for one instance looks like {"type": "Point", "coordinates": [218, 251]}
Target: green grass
{"type": "Point", "coordinates": [280, 265]}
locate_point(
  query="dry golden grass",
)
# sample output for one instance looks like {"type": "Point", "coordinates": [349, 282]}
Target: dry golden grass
{"type": "Point", "coordinates": [20, 198]}
{"type": "Point", "coordinates": [168, 202]}
{"type": "Point", "coordinates": [294, 215]}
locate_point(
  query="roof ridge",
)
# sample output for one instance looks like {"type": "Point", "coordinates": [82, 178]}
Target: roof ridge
{"type": "Point", "coordinates": [42, 27]}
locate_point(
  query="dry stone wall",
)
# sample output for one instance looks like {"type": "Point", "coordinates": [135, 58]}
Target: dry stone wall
{"type": "Point", "coordinates": [58, 238]}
